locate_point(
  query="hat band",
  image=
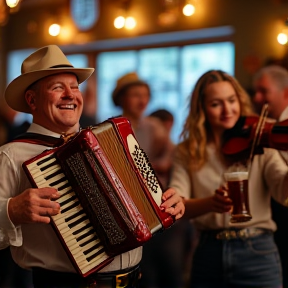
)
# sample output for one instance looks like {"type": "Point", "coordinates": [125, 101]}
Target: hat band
{"type": "Point", "coordinates": [61, 65]}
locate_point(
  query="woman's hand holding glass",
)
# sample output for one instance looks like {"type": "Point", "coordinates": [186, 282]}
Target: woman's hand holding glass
{"type": "Point", "coordinates": [220, 202]}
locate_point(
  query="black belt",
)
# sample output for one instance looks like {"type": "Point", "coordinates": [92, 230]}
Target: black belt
{"type": "Point", "coordinates": [129, 278]}
{"type": "Point", "coordinates": [234, 233]}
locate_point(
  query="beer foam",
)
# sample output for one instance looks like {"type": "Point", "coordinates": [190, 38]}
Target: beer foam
{"type": "Point", "coordinates": [236, 176]}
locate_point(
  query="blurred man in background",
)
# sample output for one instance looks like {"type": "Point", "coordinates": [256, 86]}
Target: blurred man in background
{"type": "Point", "coordinates": [271, 87]}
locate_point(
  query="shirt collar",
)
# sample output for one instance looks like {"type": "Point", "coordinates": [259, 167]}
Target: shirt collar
{"type": "Point", "coordinates": [35, 128]}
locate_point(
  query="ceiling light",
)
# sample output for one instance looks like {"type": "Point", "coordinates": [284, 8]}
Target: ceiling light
{"type": "Point", "coordinates": [119, 22]}
{"type": "Point", "coordinates": [12, 3]}
{"type": "Point", "coordinates": [282, 38]}
{"type": "Point", "coordinates": [54, 30]}
{"type": "Point", "coordinates": [130, 23]}
{"type": "Point", "coordinates": [188, 10]}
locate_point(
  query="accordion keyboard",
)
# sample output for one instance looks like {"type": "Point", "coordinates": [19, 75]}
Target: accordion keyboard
{"type": "Point", "coordinates": [72, 223]}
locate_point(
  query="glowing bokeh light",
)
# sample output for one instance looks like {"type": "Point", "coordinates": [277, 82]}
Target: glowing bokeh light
{"type": "Point", "coordinates": [188, 10]}
{"type": "Point", "coordinates": [130, 23]}
{"type": "Point", "coordinates": [12, 3]}
{"type": "Point", "coordinates": [54, 30]}
{"type": "Point", "coordinates": [282, 38]}
{"type": "Point", "coordinates": [119, 22]}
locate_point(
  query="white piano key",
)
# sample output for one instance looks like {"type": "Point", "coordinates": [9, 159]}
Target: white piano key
{"type": "Point", "coordinates": [65, 201]}
{"type": "Point", "coordinates": [79, 226]}
{"type": "Point", "coordinates": [89, 231]}
{"type": "Point", "coordinates": [74, 246]}
{"type": "Point", "coordinates": [63, 191]}
{"type": "Point", "coordinates": [35, 167]}
{"type": "Point", "coordinates": [49, 181]}
{"type": "Point", "coordinates": [86, 266]}
{"type": "Point", "coordinates": [48, 172]}
{"type": "Point", "coordinates": [70, 239]}
{"type": "Point", "coordinates": [67, 214]}
{"type": "Point", "coordinates": [65, 197]}
{"type": "Point", "coordinates": [91, 237]}
{"type": "Point", "coordinates": [73, 201]}
{"type": "Point", "coordinates": [74, 219]}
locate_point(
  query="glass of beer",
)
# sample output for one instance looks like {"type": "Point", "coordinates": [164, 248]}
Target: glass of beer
{"type": "Point", "coordinates": [237, 182]}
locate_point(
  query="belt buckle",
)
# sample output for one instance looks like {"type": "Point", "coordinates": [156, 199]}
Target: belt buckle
{"type": "Point", "coordinates": [122, 280]}
{"type": "Point", "coordinates": [227, 235]}
{"type": "Point", "coordinates": [243, 234]}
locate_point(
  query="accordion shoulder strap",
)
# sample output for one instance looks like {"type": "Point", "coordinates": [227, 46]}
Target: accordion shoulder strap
{"type": "Point", "coordinates": [39, 139]}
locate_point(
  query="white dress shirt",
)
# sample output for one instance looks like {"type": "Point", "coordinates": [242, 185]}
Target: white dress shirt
{"type": "Point", "coordinates": [36, 245]}
{"type": "Point", "coordinates": [284, 116]}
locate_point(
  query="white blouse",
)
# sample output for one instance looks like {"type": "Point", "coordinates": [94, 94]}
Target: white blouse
{"type": "Point", "coordinates": [268, 177]}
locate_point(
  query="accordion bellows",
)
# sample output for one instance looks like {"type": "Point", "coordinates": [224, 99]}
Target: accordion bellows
{"type": "Point", "coordinates": [110, 195]}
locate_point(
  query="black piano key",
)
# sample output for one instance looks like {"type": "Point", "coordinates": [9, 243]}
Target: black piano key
{"type": "Point", "coordinates": [48, 166]}
{"type": "Point", "coordinates": [101, 251]}
{"type": "Point", "coordinates": [66, 185]}
{"type": "Point", "coordinates": [70, 207]}
{"type": "Point", "coordinates": [85, 235]}
{"type": "Point", "coordinates": [87, 226]}
{"type": "Point", "coordinates": [67, 192]}
{"type": "Point", "coordinates": [67, 200]}
{"type": "Point", "coordinates": [78, 221]}
{"type": "Point", "coordinates": [53, 174]}
{"type": "Point", "coordinates": [92, 248]}
{"type": "Point", "coordinates": [88, 241]}
{"type": "Point", "coordinates": [53, 184]}
{"type": "Point", "coordinates": [74, 215]}
{"type": "Point", "coordinates": [45, 160]}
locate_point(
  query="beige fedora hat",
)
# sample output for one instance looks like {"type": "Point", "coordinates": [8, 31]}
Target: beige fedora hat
{"type": "Point", "coordinates": [125, 81]}
{"type": "Point", "coordinates": [43, 62]}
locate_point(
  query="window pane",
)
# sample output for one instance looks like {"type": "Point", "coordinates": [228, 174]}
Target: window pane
{"type": "Point", "coordinates": [110, 66]}
{"type": "Point", "coordinates": [14, 61]}
{"type": "Point", "coordinates": [197, 59]}
{"type": "Point", "coordinates": [159, 67]}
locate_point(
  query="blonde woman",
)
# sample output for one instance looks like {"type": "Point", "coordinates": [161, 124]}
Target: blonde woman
{"type": "Point", "coordinates": [228, 254]}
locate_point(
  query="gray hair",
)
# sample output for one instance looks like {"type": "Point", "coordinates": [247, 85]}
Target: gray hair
{"type": "Point", "coordinates": [278, 74]}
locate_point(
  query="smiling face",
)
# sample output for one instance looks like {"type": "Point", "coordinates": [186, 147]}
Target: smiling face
{"type": "Point", "coordinates": [56, 103]}
{"type": "Point", "coordinates": [222, 106]}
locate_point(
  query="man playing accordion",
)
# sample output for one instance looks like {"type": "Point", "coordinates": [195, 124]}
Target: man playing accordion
{"type": "Point", "coordinates": [48, 88]}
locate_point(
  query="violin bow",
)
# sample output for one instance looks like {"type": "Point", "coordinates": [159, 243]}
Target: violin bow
{"type": "Point", "coordinates": [258, 133]}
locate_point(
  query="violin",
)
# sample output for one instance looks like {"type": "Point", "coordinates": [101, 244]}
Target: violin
{"type": "Point", "coordinates": [247, 135]}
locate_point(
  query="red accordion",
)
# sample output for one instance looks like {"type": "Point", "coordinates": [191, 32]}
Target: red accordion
{"type": "Point", "coordinates": [110, 195]}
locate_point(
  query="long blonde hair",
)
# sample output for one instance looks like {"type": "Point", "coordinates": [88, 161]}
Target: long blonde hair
{"type": "Point", "coordinates": [195, 130]}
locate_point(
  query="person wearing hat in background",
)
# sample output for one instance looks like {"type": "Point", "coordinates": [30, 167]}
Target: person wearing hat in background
{"type": "Point", "coordinates": [133, 94]}
{"type": "Point", "coordinates": [48, 88]}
